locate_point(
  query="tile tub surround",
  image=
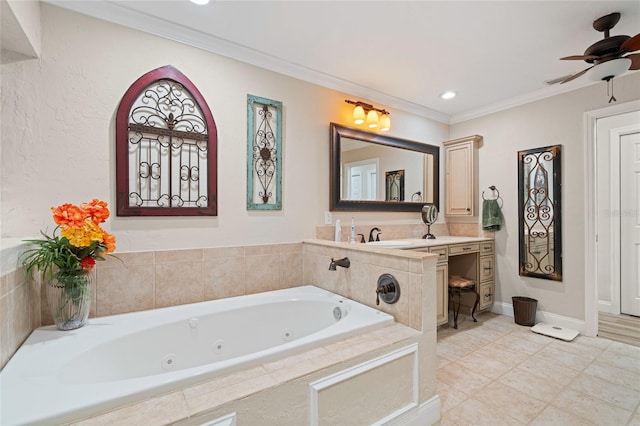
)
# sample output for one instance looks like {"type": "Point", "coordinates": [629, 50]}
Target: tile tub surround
{"type": "Point", "coordinates": [289, 379]}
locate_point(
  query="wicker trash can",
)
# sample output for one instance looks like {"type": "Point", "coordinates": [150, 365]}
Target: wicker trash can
{"type": "Point", "coordinates": [524, 310]}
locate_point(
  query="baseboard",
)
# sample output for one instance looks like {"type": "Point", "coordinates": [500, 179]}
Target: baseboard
{"type": "Point", "coordinates": [542, 316]}
{"type": "Point", "coordinates": [427, 413]}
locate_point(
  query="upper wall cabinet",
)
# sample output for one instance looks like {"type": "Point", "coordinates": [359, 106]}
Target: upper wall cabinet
{"type": "Point", "coordinates": [461, 176]}
{"type": "Point", "coordinates": [166, 148]}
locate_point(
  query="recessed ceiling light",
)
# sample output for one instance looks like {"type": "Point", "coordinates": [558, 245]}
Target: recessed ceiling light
{"type": "Point", "coordinates": [448, 95]}
{"type": "Point", "coordinates": [200, 2]}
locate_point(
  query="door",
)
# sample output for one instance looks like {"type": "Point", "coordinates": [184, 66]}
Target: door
{"type": "Point", "coordinates": [630, 223]}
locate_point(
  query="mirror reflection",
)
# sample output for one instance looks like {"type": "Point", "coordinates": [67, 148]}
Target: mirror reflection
{"type": "Point", "coordinates": [539, 212]}
{"type": "Point", "coordinates": [379, 172]}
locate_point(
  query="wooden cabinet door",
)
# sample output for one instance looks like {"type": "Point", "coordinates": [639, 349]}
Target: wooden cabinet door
{"type": "Point", "coordinates": [442, 294]}
{"type": "Point", "coordinates": [459, 179]}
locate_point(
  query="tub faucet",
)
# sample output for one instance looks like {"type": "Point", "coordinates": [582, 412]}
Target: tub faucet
{"type": "Point", "coordinates": [344, 262]}
{"type": "Point", "coordinates": [377, 235]}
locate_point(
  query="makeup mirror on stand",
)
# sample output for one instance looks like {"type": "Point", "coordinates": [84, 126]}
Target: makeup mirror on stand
{"type": "Point", "coordinates": [429, 215]}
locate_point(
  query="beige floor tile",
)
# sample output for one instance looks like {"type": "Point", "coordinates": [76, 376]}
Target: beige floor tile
{"type": "Point", "coordinates": [531, 384]}
{"type": "Point", "coordinates": [515, 404]}
{"type": "Point", "coordinates": [503, 353]}
{"type": "Point", "coordinates": [619, 360]}
{"type": "Point", "coordinates": [495, 372]}
{"type": "Point", "coordinates": [547, 369]}
{"type": "Point", "coordinates": [520, 344]}
{"type": "Point", "coordinates": [553, 416]}
{"type": "Point", "coordinates": [451, 351]}
{"type": "Point", "coordinates": [564, 358]}
{"type": "Point", "coordinates": [614, 375]}
{"type": "Point", "coordinates": [501, 323]}
{"type": "Point", "coordinates": [592, 409]}
{"type": "Point", "coordinates": [489, 367]}
{"type": "Point", "coordinates": [450, 397]}
{"type": "Point", "coordinates": [527, 334]}
{"type": "Point", "coordinates": [624, 349]}
{"type": "Point", "coordinates": [619, 396]}
{"type": "Point", "coordinates": [575, 348]}
{"type": "Point", "coordinates": [462, 378]}
{"type": "Point", "coordinates": [465, 340]}
{"type": "Point", "coordinates": [475, 413]}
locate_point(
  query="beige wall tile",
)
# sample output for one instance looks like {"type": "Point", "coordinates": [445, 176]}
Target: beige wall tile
{"type": "Point", "coordinates": [5, 348]}
{"type": "Point", "coordinates": [178, 283]}
{"type": "Point", "coordinates": [291, 269]}
{"type": "Point", "coordinates": [262, 273]}
{"type": "Point", "coordinates": [210, 253]}
{"type": "Point", "coordinates": [124, 289]}
{"type": "Point", "coordinates": [127, 259]}
{"type": "Point", "coordinates": [224, 277]}
{"type": "Point", "coordinates": [263, 249]}
{"type": "Point", "coordinates": [171, 256]}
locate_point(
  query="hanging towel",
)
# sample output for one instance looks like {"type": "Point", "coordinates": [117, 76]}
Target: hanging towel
{"type": "Point", "coordinates": [491, 215]}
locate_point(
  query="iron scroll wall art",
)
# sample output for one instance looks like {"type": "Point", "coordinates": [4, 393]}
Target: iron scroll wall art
{"type": "Point", "coordinates": [539, 212]}
{"type": "Point", "coordinates": [264, 154]}
{"type": "Point", "coordinates": [166, 148]}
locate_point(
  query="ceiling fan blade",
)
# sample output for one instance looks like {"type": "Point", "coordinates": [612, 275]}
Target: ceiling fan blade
{"type": "Point", "coordinates": [579, 58]}
{"type": "Point", "coordinates": [635, 61]}
{"type": "Point", "coordinates": [632, 44]}
{"type": "Point", "coordinates": [576, 75]}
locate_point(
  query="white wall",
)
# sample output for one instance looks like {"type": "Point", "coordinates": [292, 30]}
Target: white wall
{"type": "Point", "coordinates": [58, 121]}
{"type": "Point", "coordinates": [555, 120]}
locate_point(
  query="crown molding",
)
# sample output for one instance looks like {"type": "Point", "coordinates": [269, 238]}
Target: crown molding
{"type": "Point", "coordinates": [543, 93]}
{"type": "Point", "coordinates": [118, 14]}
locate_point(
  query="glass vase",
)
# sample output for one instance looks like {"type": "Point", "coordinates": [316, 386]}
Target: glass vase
{"type": "Point", "coordinates": [69, 297]}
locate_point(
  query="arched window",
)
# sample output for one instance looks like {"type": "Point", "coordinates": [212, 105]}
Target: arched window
{"type": "Point", "coordinates": [166, 148]}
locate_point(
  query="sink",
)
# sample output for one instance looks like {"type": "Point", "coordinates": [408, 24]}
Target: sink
{"type": "Point", "coordinates": [390, 243]}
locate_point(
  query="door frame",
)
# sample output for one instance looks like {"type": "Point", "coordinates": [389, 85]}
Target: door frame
{"type": "Point", "coordinates": [590, 209]}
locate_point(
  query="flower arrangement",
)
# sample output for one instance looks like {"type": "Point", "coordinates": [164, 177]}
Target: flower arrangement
{"type": "Point", "coordinates": [81, 243]}
{"type": "Point", "coordinates": [67, 257]}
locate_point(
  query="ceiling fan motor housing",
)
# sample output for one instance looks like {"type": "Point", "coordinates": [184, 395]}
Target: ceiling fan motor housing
{"type": "Point", "coordinates": [606, 49]}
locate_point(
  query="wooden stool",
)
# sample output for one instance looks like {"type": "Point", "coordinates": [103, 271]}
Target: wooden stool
{"type": "Point", "coordinates": [457, 286]}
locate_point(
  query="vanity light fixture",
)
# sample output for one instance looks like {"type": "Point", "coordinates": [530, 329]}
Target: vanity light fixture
{"type": "Point", "coordinates": [448, 95]}
{"type": "Point", "coordinates": [372, 116]}
{"type": "Point", "coordinates": [200, 2]}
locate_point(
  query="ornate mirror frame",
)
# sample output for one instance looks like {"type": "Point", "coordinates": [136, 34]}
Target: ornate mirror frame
{"type": "Point", "coordinates": [539, 212]}
{"type": "Point", "coordinates": [336, 203]}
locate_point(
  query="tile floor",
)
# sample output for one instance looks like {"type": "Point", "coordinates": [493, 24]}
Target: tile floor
{"type": "Point", "coordinates": [495, 372]}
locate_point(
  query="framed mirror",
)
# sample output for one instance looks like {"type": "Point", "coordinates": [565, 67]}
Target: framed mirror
{"type": "Point", "coordinates": [539, 212]}
{"type": "Point", "coordinates": [372, 172]}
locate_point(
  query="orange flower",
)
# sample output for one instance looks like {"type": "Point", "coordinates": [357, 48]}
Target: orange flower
{"type": "Point", "coordinates": [97, 210]}
{"type": "Point", "coordinates": [69, 215]}
{"type": "Point", "coordinates": [109, 241]}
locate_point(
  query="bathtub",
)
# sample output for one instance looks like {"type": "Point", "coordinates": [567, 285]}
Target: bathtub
{"type": "Point", "coordinates": [62, 376]}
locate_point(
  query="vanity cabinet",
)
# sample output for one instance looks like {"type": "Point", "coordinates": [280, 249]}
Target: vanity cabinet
{"type": "Point", "coordinates": [475, 260]}
{"type": "Point", "coordinates": [461, 176]}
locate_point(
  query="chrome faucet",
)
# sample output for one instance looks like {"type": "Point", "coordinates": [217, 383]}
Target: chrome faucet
{"type": "Point", "coordinates": [377, 235]}
{"type": "Point", "coordinates": [344, 262]}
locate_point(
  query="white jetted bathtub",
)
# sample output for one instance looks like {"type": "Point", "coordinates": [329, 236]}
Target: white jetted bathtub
{"type": "Point", "coordinates": [61, 376]}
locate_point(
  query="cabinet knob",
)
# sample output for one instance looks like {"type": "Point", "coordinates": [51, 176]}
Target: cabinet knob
{"type": "Point", "coordinates": [488, 295]}
{"type": "Point", "coordinates": [468, 209]}
{"type": "Point", "coordinates": [487, 268]}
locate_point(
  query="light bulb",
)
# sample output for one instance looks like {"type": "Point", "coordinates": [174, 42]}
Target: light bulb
{"type": "Point", "coordinates": [385, 122]}
{"type": "Point", "coordinates": [358, 115]}
{"type": "Point", "coordinates": [372, 119]}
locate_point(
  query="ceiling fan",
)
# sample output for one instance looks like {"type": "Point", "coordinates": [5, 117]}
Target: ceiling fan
{"type": "Point", "coordinates": [609, 56]}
